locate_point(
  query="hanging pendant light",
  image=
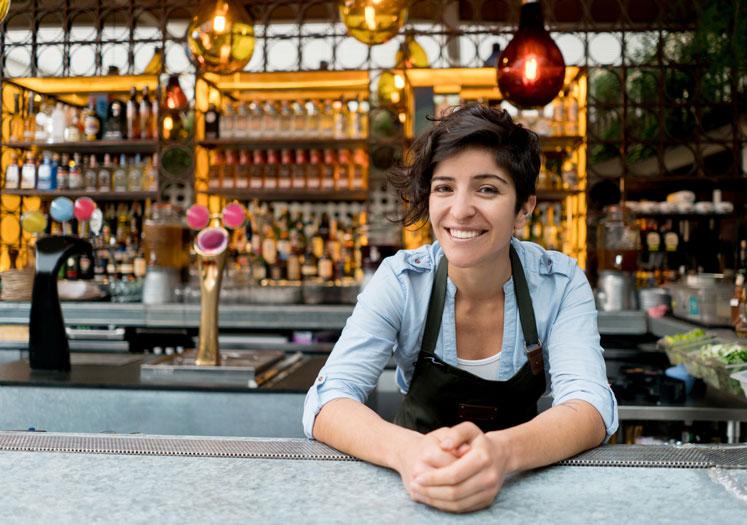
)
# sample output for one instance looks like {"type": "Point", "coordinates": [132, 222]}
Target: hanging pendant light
{"type": "Point", "coordinates": [4, 8]}
{"type": "Point", "coordinates": [373, 21]}
{"type": "Point", "coordinates": [531, 69]}
{"type": "Point", "coordinates": [221, 37]}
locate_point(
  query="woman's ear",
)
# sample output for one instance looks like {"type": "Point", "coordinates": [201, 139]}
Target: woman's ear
{"type": "Point", "coordinates": [525, 212]}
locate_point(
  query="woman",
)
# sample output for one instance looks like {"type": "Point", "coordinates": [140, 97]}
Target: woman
{"type": "Point", "coordinates": [479, 323]}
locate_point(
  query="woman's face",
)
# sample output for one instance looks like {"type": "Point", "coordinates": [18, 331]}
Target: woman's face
{"type": "Point", "coordinates": [471, 208]}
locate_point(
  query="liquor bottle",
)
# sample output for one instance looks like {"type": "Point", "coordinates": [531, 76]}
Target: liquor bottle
{"type": "Point", "coordinates": [28, 172]}
{"type": "Point", "coordinates": [314, 170]}
{"type": "Point", "coordinates": [146, 105]}
{"type": "Point", "coordinates": [175, 97]}
{"type": "Point", "coordinates": [58, 121]}
{"type": "Point", "coordinates": [241, 121]}
{"type": "Point", "coordinates": [329, 170]}
{"type": "Point", "coordinates": [256, 179]}
{"type": "Point", "coordinates": [91, 121]}
{"type": "Point", "coordinates": [105, 174]}
{"type": "Point", "coordinates": [285, 119]}
{"type": "Point", "coordinates": [119, 175]}
{"type": "Point", "coordinates": [339, 119]}
{"type": "Point", "coordinates": [212, 122]}
{"type": "Point", "coordinates": [90, 174]}
{"type": "Point", "coordinates": [327, 120]}
{"type": "Point", "coordinates": [284, 170]}
{"type": "Point", "coordinates": [133, 115]}
{"type": "Point", "coordinates": [42, 118]}
{"type": "Point", "coordinates": [215, 172]}
{"type": "Point", "coordinates": [299, 170]}
{"type": "Point", "coordinates": [344, 172]}
{"type": "Point", "coordinates": [229, 170]}
{"type": "Point", "coordinates": [254, 127]}
{"type": "Point", "coordinates": [29, 123]}
{"type": "Point", "coordinates": [16, 120]}
{"type": "Point", "coordinates": [359, 176]}
{"type": "Point", "coordinates": [72, 125]}
{"type": "Point", "coordinates": [115, 124]}
{"type": "Point", "coordinates": [537, 229]}
{"type": "Point", "coordinates": [313, 118]}
{"type": "Point", "coordinates": [269, 120]}
{"type": "Point", "coordinates": [226, 123]}
{"type": "Point", "coordinates": [12, 173]}
{"type": "Point", "coordinates": [63, 173]}
{"type": "Point", "coordinates": [298, 120]}
{"type": "Point", "coordinates": [75, 178]}
{"type": "Point", "coordinates": [244, 169]}
{"type": "Point", "coordinates": [155, 112]}
{"type": "Point", "coordinates": [270, 172]}
{"type": "Point", "coordinates": [326, 266]}
{"type": "Point", "coordinates": [362, 130]}
{"type": "Point", "coordinates": [150, 174]}
{"type": "Point", "coordinates": [135, 175]}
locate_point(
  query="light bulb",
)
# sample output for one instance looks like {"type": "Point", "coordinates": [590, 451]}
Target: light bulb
{"type": "Point", "coordinates": [373, 21]}
{"type": "Point", "coordinates": [531, 69]}
{"type": "Point", "coordinates": [221, 37]}
{"type": "Point", "coordinates": [4, 8]}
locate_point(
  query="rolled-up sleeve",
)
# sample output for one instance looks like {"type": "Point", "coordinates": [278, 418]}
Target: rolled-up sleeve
{"type": "Point", "coordinates": [577, 369]}
{"type": "Point", "coordinates": [366, 344]}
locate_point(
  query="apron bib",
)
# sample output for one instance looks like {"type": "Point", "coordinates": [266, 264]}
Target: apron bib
{"type": "Point", "coordinates": [442, 395]}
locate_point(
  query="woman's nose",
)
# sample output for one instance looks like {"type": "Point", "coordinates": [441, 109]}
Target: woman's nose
{"type": "Point", "coordinates": [462, 206]}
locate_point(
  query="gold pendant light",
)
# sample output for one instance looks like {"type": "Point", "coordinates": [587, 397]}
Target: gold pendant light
{"type": "Point", "coordinates": [373, 21]}
{"type": "Point", "coordinates": [4, 8]}
{"type": "Point", "coordinates": [221, 37]}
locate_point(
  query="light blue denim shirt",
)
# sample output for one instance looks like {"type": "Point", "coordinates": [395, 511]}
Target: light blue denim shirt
{"type": "Point", "coordinates": [390, 318]}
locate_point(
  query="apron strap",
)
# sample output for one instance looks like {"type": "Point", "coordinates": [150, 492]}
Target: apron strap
{"type": "Point", "coordinates": [526, 315]}
{"type": "Point", "coordinates": [435, 307]}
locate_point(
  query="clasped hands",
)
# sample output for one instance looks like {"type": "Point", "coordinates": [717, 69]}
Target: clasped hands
{"type": "Point", "coordinates": [456, 469]}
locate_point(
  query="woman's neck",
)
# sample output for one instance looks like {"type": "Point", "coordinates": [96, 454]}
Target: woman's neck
{"type": "Point", "coordinates": [484, 282]}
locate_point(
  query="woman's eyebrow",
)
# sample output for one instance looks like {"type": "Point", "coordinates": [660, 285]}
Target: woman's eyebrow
{"type": "Point", "coordinates": [490, 176]}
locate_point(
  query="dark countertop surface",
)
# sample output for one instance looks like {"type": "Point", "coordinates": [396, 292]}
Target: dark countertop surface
{"type": "Point", "coordinates": [123, 372]}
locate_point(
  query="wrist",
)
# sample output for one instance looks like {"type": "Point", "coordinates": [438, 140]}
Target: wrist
{"type": "Point", "coordinates": [504, 447]}
{"type": "Point", "coordinates": [404, 441]}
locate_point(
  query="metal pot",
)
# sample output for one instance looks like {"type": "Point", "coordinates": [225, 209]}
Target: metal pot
{"type": "Point", "coordinates": [616, 291]}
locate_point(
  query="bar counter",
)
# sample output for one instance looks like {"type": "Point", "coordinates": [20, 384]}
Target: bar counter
{"type": "Point", "coordinates": [74, 478]}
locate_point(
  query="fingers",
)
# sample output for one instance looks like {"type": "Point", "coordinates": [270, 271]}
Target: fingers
{"type": "Point", "coordinates": [456, 436]}
{"type": "Point", "coordinates": [433, 455]}
{"type": "Point", "coordinates": [475, 460]}
{"type": "Point", "coordinates": [476, 501]}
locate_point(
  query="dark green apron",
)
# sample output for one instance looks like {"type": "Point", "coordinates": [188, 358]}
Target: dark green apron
{"type": "Point", "coordinates": [442, 395]}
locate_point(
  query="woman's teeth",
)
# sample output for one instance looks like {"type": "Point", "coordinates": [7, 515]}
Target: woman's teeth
{"type": "Point", "coordinates": [464, 234]}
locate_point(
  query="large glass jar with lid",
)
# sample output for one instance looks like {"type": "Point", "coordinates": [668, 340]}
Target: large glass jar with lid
{"type": "Point", "coordinates": [618, 240]}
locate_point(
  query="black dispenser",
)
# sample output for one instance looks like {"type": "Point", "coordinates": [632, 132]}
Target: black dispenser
{"type": "Point", "coordinates": [48, 346]}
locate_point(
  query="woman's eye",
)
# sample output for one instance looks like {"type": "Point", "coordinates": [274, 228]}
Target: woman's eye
{"type": "Point", "coordinates": [488, 189]}
{"type": "Point", "coordinates": [441, 188]}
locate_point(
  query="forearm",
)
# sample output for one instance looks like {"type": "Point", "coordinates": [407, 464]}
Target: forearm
{"type": "Point", "coordinates": [558, 433]}
{"type": "Point", "coordinates": [353, 428]}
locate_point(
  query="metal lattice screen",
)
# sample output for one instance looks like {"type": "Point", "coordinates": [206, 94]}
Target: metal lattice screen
{"type": "Point", "coordinates": [666, 79]}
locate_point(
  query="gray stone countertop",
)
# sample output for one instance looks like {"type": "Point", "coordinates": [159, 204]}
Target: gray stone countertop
{"type": "Point", "coordinates": [63, 487]}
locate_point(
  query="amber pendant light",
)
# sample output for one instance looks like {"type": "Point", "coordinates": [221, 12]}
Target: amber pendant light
{"type": "Point", "coordinates": [373, 21]}
{"type": "Point", "coordinates": [221, 37]}
{"type": "Point", "coordinates": [4, 8]}
{"type": "Point", "coordinates": [531, 69]}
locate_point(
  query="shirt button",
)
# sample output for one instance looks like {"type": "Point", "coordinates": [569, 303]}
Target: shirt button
{"type": "Point", "coordinates": [417, 261]}
{"type": "Point", "coordinates": [320, 379]}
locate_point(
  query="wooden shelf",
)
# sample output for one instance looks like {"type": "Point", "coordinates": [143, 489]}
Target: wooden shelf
{"type": "Point", "coordinates": [290, 195]}
{"type": "Point", "coordinates": [280, 143]}
{"type": "Point", "coordinates": [95, 195]}
{"type": "Point", "coordinates": [560, 142]}
{"type": "Point", "coordinates": [95, 146]}
{"type": "Point", "coordinates": [556, 195]}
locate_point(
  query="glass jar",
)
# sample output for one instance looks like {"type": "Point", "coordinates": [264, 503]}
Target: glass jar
{"type": "Point", "coordinates": [165, 236]}
{"type": "Point", "coordinates": [618, 240]}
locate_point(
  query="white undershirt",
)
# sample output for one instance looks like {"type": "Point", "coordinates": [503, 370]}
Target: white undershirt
{"type": "Point", "coordinates": [486, 368]}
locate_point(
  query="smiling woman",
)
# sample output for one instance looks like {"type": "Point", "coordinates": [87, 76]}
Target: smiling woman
{"type": "Point", "coordinates": [480, 325]}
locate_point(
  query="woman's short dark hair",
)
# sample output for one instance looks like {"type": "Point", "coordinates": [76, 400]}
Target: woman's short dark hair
{"type": "Point", "coordinates": [516, 150]}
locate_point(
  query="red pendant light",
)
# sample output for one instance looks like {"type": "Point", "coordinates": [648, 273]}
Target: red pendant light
{"type": "Point", "coordinates": [531, 69]}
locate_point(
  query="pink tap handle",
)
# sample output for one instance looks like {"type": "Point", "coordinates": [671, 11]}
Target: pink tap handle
{"type": "Point", "coordinates": [211, 241]}
{"type": "Point", "coordinates": [83, 208]}
{"type": "Point", "coordinates": [198, 216]}
{"type": "Point", "coordinates": [234, 216]}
